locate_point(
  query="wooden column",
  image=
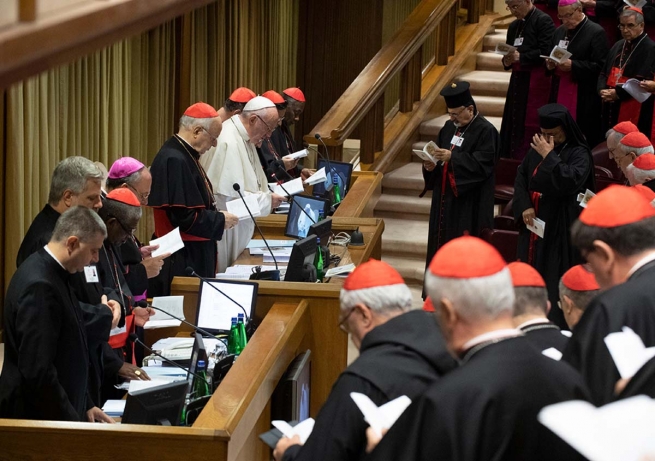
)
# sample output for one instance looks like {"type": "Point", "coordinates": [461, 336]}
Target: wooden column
{"type": "Point", "coordinates": [371, 132]}
{"type": "Point", "coordinates": [452, 26]}
{"type": "Point", "coordinates": [441, 53]}
{"type": "Point", "coordinates": [410, 82]}
{"type": "Point", "coordinates": [474, 11]}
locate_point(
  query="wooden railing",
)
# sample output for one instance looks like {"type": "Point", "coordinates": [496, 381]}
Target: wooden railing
{"type": "Point", "coordinates": [361, 105]}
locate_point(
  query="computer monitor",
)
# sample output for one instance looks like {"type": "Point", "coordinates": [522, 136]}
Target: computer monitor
{"type": "Point", "coordinates": [290, 401]}
{"type": "Point", "coordinates": [215, 311]}
{"type": "Point", "coordinates": [161, 405]}
{"type": "Point", "coordinates": [298, 223]}
{"type": "Point", "coordinates": [343, 171]}
{"type": "Point", "coordinates": [199, 352]}
{"type": "Point", "coordinates": [323, 230]}
{"type": "Point", "coordinates": [301, 261]}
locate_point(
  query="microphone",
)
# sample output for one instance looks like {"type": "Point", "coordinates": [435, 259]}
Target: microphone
{"type": "Point", "coordinates": [278, 165]}
{"type": "Point", "coordinates": [261, 275]}
{"type": "Point", "coordinates": [134, 338]}
{"type": "Point", "coordinates": [191, 273]}
{"type": "Point", "coordinates": [195, 327]}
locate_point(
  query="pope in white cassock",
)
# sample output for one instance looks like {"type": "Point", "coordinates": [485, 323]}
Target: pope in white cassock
{"type": "Point", "coordinates": [234, 160]}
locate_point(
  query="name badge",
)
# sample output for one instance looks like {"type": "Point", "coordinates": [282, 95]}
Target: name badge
{"type": "Point", "coordinates": [457, 140]}
{"type": "Point", "coordinates": [118, 331]}
{"type": "Point", "coordinates": [91, 274]}
{"type": "Point", "coordinates": [564, 44]}
{"type": "Point", "coordinates": [518, 41]}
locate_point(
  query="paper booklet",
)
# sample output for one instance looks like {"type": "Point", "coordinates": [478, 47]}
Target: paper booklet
{"type": "Point", "coordinates": [168, 243]}
{"type": "Point", "coordinates": [293, 187]}
{"type": "Point", "coordinates": [559, 55]}
{"type": "Point", "coordinates": [636, 3]}
{"type": "Point", "coordinates": [236, 207]}
{"type": "Point", "coordinates": [628, 351]}
{"type": "Point", "coordinates": [538, 227]}
{"type": "Point", "coordinates": [621, 430]}
{"type": "Point", "coordinates": [584, 198]}
{"type": "Point", "coordinates": [316, 178]}
{"type": "Point", "coordinates": [297, 155]}
{"type": "Point", "coordinates": [504, 49]}
{"type": "Point", "coordinates": [382, 417]}
{"type": "Point", "coordinates": [171, 304]}
{"type": "Point", "coordinates": [427, 152]}
{"type": "Point", "coordinates": [631, 86]}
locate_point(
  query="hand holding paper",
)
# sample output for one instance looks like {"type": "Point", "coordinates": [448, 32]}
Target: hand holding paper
{"type": "Point", "coordinates": [302, 429]}
{"type": "Point", "coordinates": [383, 417]}
{"type": "Point", "coordinates": [169, 243]}
{"type": "Point", "coordinates": [237, 208]}
{"type": "Point", "coordinates": [316, 178]}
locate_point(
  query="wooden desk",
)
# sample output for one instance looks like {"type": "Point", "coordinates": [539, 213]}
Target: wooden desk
{"type": "Point", "coordinates": [364, 193]}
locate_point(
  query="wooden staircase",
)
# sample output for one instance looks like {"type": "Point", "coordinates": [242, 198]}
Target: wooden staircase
{"type": "Point", "coordinates": [404, 242]}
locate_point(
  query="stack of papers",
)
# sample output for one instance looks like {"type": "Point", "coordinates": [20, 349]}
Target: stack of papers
{"type": "Point", "coordinates": [628, 351]}
{"type": "Point", "coordinates": [244, 271]}
{"type": "Point", "coordinates": [171, 304]}
{"type": "Point", "coordinates": [237, 207]}
{"type": "Point", "coordinates": [340, 271]}
{"type": "Point", "coordinates": [138, 385]}
{"type": "Point", "coordinates": [169, 243]}
{"type": "Point", "coordinates": [383, 417]}
{"type": "Point", "coordinates": [293, 187]}
{"type": "Point", "coordinates": [316, 178]}
{"type": "Point", "coordinates": [297, 155]}
{"type": "Point", "coordinates": [258, 243]}
{"type": "Point", "coordinates": [620, 430]}
{"type": "Point", "coordinates": [427, 152]}
{"type": "Point", "coordinates": [114, 408]}
{"type": "Point", "coordinates": [302, 429]}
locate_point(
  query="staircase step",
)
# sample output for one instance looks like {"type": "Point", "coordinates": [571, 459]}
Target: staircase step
{"type": "Point", "coordinates": [489, 61]}
{"type": "Point", "coordinates": [404, 238]}
{"type": "Point", "coordinates": [430, 129]}
{"type": "Point", "coordinates": [487, 83]}
{"type": "Point", "coordinates": [411, 269]}
{"type": "Point", "coordinates": [407, 177]}
{"type": "Point", "coordinates": [490, 106]}
{"type": "Point", "coordinates": [401, 204]}
{"type": "Point", "coordinates": [491, 40]}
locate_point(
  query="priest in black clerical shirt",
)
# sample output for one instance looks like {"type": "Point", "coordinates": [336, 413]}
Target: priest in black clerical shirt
{"type": "Point", "coordinates": [400, 353]}
{"type": "Point", "coordinates": [555, 170]}
{"type": "Point", "coordinates": [573, 82]}
{"type": "Point", "coordinates": [531, 306]}
{"type": "Point", "coordinates": [616, 235]}
{"type": "Point", "coordinates": [487, 408]}
{"type": "Point", "coordinates": [462, 183]}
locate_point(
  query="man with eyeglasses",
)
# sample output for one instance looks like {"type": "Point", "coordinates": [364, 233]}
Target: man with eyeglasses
{"type": "Point", "coordinates": [630, 148]}
{"type": "Point", "coordinates": [529, 87]}
{"type": "Point", "coordinates": [574, 81]}
{"type": "Point", "coordinates": [462, 182]}
{"type": "Point", "coordinates": [182, 196]}
{"type": "Point", "coordinates": [614, 136]}
{"type": "Point", "coordinates": [630, 57]}
{"type": "Point", "coordinates": [401, 352]}
{"type": "Point", "coordinates": [235, 161]}
{"type": "Point", "coordinates": [616, 235]}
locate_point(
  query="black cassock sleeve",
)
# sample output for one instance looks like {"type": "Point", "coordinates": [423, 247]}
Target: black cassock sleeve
{"type": "Point", "coordinates": [544, 29]}
{"type": "Point", "coordinates": [475, 167]}
{"type": "Point", "coordinates": [38, 326]}
{"type": "Point", "coordinates": [558, 178]}
{"type": "Point", "coordinates": [340, 429]}
{"type": "Point", "coordinates": [590, 66]}
{"type": "Point", "coordinates": [522, 200]}
{"type": "Point", "coordinates": [197, 221]}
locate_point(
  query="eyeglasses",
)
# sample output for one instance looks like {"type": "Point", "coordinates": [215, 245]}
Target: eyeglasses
{"type": "Point", "coordinates": [453, 114]}
{"type": "Point", "coordinates": [627, 26]}
{"type": "Point", "coordinates": [567, 16]}
{"type": "Point", "coordinates": [270, 130]}
{"type": "Point", "coordinates": [512, 7]}
{"type": "Point", "coordinates": [343, 320]}
{"type": "Point", "coordinates": [213, 138]}
{"type": "Point", "coordinates": [143, 197]}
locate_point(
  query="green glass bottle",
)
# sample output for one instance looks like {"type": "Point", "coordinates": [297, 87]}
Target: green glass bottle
{"type": "Point", "coordinates": [318, 261]}
{"type": "Point", "coordinates": [201, 386]}
{"type": "Point", "coordinates": [233, 337]}
{"type": "Point", "coordinates": [243, 339]}
{"type": "Point", "coordinates": [321, 216]}
{"type": "Point", "coordinates": [336, 191]}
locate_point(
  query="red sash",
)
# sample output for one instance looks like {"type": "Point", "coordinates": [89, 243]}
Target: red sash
{"type": "Point", "coordinates": [533, 237]}
{"type": "Point", "coordinates": [163, 226]}
{"type": "Point", "coordinates": [119, 340]}
{"type": "Point", "coordinates": [631, 108]}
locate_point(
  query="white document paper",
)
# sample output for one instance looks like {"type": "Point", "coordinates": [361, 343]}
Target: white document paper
{"type": "Point", "coordinates": [168, 243]}
{"type": "Point", "coordinates": [538, 227]}
{"type": "Point", "coordinates": [138, 385]}
{"type": "Point", "coordinates": [504, 49]}
{"type": "Point", "coordinates": [427, 152]}
{"type": "Point", "coordinates": [302, 429]}
{"type": "Point", "coordinates": [584, 198]}
{"type": "Point", "coordinates": [636, 3]}
{"type": "Point", "coordinates": [259, 243]}
{"type": "Point", "coordinates": [621, 430]}
{"type": "Point", "coordinates": [382, 417]}
{"type": "Point", "coordinates": [236, 207]}
{"type": "Point", "coordinates": [340, 270]}
{"type": "Point", "coordinates": [559, 55]}
{"type": "Point", "coordinates": [165, 373]}
{"type": "Point", "coordinates": [628, 351]}
{"type": "Point", "coordinates": [297, 155]}
{"type": "Point", "coordinates": [631, 86]}
{"type": "Point", "coordinates": [277, 251]}
{"type": "Point", "coordinates": [293, 187]}
{"type": "Point", "coordinates": [552, 353]}
{"type": "Point", "coordinates": [316, 178]}
{"type": "Point", "coordinates": [171, 304]}
{"type": "Point", "coordinates": [114, 407]}
{"type": "Point", "coordinates": [279, 259]}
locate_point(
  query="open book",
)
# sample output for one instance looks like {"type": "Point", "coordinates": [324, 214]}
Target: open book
{"type": "Point", "coordinates": [559, 55]}
{"type": "Point", "coordinates": [427, 152]}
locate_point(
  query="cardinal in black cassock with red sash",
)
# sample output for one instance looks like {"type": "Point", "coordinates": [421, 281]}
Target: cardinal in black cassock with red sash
{"type": "Point", "coordinates": [616, 234]}
{"type": "Point", "coordinates": [529, 86]}
{"type": "Point", "coordinates": [487, 408]}
{"type": "Point", "coordinates": [182, 196]}
{"type": "Point", "coordinates": [629, 58]}
{"type": "Point", "coordinates": [573, 82]}
{"type": "Point", "coordinates": [555, 170]}
{"type": "Point", "coordinates": [462, 183]}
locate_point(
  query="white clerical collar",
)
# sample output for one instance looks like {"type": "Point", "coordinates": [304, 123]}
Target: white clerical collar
{"type": "Point", "coordinates": [240, 128]}
{"type": "Point", "coordinates": [532, 322]}
{"type": "Point", "coordinates": [491, 336]}
{"type": "Point", "coordinates": [641, 263]}
{"type": "Point", "coordinates": [54, 257]}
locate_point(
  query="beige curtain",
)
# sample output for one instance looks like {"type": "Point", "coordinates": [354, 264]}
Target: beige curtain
{"type": "Point", "coordinates": [250, 43]}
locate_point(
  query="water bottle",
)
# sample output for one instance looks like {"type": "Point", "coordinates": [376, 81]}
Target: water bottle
{"type": "Point", "coordinates": [200, 384]}
{"type": "Point", "coordinates": [318, 261]}
{"type": "Point", "coordinates": [242, 337]}
{"type": "Point", "coordinates": [336, 192]}
{"type": "Point", "coordinates": [321, 215]}
{"type": "Point", "coordinates": [233, 337]}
